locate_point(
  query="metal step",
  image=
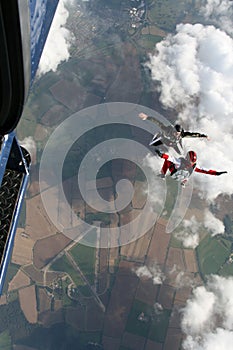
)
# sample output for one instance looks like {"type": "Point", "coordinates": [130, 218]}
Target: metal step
{"type": "Point", "coordinates": [9, 193]}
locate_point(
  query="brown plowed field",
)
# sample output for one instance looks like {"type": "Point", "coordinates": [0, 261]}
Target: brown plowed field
{"type": "Point", "coordinates": [122, 296]}
{"type": "Point", "coordinates": [159, 245]}
{"type": "Point", "coordinates": [47, 248]}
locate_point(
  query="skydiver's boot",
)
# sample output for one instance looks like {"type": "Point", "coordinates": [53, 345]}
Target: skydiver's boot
{"type": "Point", "coordinates": [183, 183]}
{"type": "Point", "coordinates": [159, 153]}
{"type": "Point", "coordinates": [161, 175]}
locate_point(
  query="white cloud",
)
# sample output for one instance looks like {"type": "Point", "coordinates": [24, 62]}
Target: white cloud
{"type": "Point", "coordinates": [152, 162]}
{"type": "Point", "coordinates": [222, 288]}
{"type": "Point", "coordinates": [194, 68]}
{"type": "Point", "coordinates": [189, 234]}
{"type": "Point", "coordinates": [183, 280]}
{"type": "Point", "coordinates": [156, 191]}
{"type": "Point", "coordinates": [194, 73]}
{"type": "Point", "coordinates": [207, 318]}
{"type": "Point", "coordinates": [58, 42]}
{"type": "Point", "coordinates": [158, 308]}
{"type": "Point", "coordinates": [30, 145]}
{"type": "Point", "coordinates": [153, 272]}
{"type": "Point", "coordinates": [198, 311]}
{"type": "Point", "coordinates": [213, 224]}
{"type": "Point", "coordinates": [221, 339]}
{"type": "Point", "coordinates": [220, 13]}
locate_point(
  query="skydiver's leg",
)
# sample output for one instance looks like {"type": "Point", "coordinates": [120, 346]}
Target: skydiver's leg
{"type": "Point", "coordinates": [156, 141]}
{"type": "Point", "coordinates": [166, 165]}
{"type": "Point", "coordinates": [161, 147]}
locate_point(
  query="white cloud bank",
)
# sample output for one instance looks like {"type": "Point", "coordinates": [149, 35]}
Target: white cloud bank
{"type": "Point", "coordinates": [58, 41]}
{"type": "Point", "coordinates": [30, 145]}
{"type": "Point", "coordinates": [207, 318]}
{"type": "Point", "coordinates": [220, 13]}
{"type": "Point", "coordinates": [189, 234]}
{"type": "Point", "coordinates": [214, 225]}
{"type": "Point", "coordinates": [153, 272]}
{"type": "Point", "coordinates": [194, 70]}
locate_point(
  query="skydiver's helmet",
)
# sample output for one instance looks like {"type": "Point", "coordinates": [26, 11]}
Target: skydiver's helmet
{"type": "Point", "coordinates": [177, 133]}
{"type": "Point", "coordinates": [178, 127]}
{"type": "Point", "coordinates": [191, 157]}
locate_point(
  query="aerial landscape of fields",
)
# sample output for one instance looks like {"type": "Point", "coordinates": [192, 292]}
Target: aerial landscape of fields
{"type": "Point", "coordinates": [127, 296]}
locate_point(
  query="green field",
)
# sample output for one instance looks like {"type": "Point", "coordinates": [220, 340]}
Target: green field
{"type": "Point", "coordinates": [22, 217]}
{"type": "Point", "coordinates": [66, 301]}
{"type": "Point", "coordinates": [226, 270]}
{"type": "Point", "coordinates": [148, 41]}
{"type": "Point", "coordinates": [11, 272]}
{"type": "Point", "coordinates": [212, 254]}
{"type": "Point", "coordinates": [38, 103]}
{"type": "Point", "coordinates": [153, 327]}
{"type": "Point", "coordinates": [28, 123]}
{"type": "Point", "coordinates": [175, 242]}
{"type": "Point", "coordinates": [136, 326]}
{"type": "Point", "coordinates": [104, 218]}
{"type": "Point", "coordinates": [158, 329]}
{"type": "Point", "coordinates": [45, 83]}
{"type": "Point", "coordinates": [84, 257]}
{"type": "Point", "coordinates": [167, 13]}
{"type": "Point", "coordinates": [63, 265]}
{"type": "Point", "coordinates": [105, 170]}
{"type": "Point", "coordinates": [5, 341]}
{"type": "Point", "coordinates": [86, 337]}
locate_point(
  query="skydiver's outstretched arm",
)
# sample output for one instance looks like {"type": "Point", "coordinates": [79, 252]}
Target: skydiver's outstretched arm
{"type": "Point", "coordinates": [144, 116]}
{"type": "Point", "coordinates": [193, 134]}
{"type": "Point", "coordinates": [210, 172]}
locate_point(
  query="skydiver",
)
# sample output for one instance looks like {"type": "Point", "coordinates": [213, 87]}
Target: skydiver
{"type": "Point", "coordinates": [171, 136]}
{"type": "Point", "coordinates": [181, 168]}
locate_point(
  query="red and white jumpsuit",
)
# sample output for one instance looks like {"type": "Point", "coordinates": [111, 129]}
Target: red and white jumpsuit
{"type": "Point", "coordinates": [181, 168]}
